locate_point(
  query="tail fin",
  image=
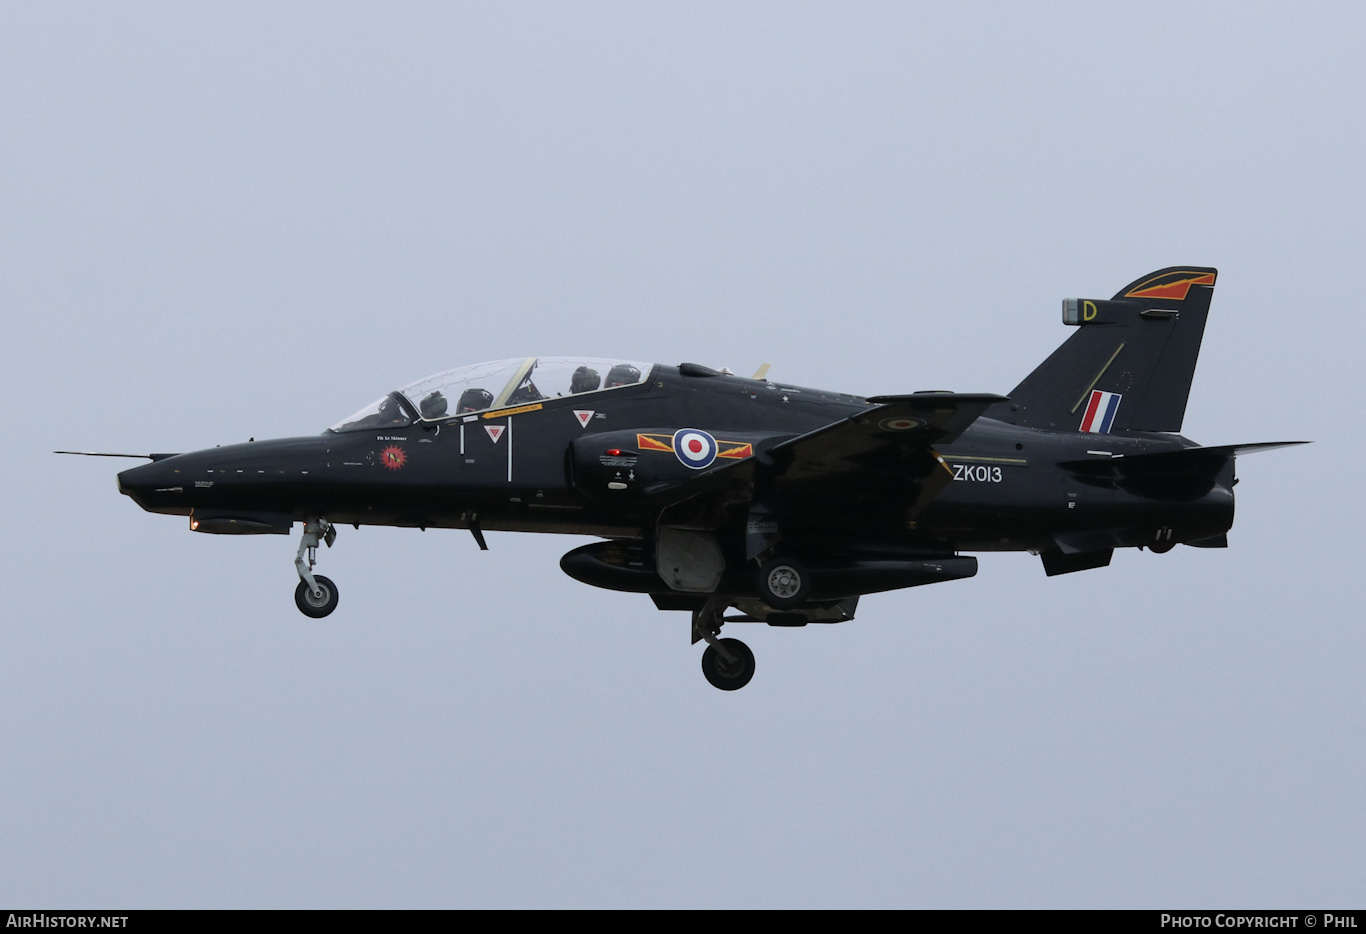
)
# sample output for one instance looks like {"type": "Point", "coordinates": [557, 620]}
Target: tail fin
{"type": "Point", "coordinates": [1130, 364]}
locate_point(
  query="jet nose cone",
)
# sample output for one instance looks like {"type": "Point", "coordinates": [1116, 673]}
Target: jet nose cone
{"type": "Point", "coordinates": [155, 487]}
{"type": "Point", "coordinates": [128, 480]}
{"type": "Point", "coordinates": [133, 479]}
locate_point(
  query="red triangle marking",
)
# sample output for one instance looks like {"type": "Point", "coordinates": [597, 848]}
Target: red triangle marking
{"type": "Point", "coordinates": [495, 431]}
{"type": "Point", "coordinates": [583, 415]}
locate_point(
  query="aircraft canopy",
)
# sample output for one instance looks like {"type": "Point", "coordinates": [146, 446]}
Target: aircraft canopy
{"type": "Point", "coordinates": [494, 385]}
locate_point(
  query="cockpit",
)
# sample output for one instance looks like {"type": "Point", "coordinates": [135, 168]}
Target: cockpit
{"type": "Point", "coordinates": [500, 384]}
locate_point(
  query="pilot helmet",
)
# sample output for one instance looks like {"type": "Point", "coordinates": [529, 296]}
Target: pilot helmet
{"type": "Point", "coordinates": [433, 405]}
{"type": "Point", "coordinates": [585, 379]}
{"type": "Point", "coordinates": [475, 400]}
{"type": "Point", "coordinates": [623, 374]}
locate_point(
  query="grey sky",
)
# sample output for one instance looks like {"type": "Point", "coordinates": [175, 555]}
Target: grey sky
{"type": "Point", "coordinates": [234, 220]}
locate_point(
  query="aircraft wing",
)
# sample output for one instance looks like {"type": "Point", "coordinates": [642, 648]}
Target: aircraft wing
{"type": "Point", "coordinates": [895, 433]}
{"type": "Point", "coordinates": [894, 425]}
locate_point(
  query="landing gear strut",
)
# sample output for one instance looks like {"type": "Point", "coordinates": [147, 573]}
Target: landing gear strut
{"type": "Point", "coordinates": [727, 664]}
{"type": "Point", "coordinates": [316, 596]}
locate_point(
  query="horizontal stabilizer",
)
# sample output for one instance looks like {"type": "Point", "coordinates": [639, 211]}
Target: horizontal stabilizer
{"type": "Point", "coordinates": [1178, 475]}
{"type": "Point", "coordinates": [1195, 459]}
{"type": "Point", "coordinates": [1235, 450]}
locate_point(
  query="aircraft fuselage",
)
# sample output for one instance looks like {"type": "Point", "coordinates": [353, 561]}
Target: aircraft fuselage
{"type": "Point", "coordinates": [545, 467]}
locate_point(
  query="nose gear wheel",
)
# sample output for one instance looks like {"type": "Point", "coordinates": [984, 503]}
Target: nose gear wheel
{"type": "Point", "coordinates": [316, 603]}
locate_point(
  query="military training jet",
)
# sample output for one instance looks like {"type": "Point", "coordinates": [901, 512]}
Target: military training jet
{"type": "Point", "coordinates": [713, 492]}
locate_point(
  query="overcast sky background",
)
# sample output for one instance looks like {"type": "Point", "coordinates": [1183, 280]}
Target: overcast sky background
{"type": "Point", "coordinates": [229, 220]}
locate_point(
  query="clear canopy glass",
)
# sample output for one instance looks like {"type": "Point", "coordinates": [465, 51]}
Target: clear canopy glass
{"type": "Point", "coordinates": [389, 411]}
{"type": "Point", "coordinates": [498, 384]}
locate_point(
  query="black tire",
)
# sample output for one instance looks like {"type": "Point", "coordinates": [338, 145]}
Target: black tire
{"type": "Point", "coordinates": [784, 583]}
{"type": "Point", "coordinates": [728, 676]}
{"type": "Point", "coordinates": [320, 606]}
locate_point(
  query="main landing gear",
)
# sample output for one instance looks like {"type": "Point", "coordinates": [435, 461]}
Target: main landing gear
{"type": "Point", "coordinates": [783, 583]}
{"type": "Point", "coordinates": [316, 596]}
{"type": "Point", "coordinates": [727, 664]}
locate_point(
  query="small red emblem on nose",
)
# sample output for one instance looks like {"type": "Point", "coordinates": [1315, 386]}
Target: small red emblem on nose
{"type": "Point", "coordinates": [393, 457]}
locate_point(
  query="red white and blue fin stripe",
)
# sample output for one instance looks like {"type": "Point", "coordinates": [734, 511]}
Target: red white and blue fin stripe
{"type": "Point", "coordinates": [1100, 412]}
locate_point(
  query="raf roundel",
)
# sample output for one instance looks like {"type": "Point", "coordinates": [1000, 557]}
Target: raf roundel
{"type": "Point", "coordinates": [901, 424]}
{"type": "Point", "coordinates": [694, 447]}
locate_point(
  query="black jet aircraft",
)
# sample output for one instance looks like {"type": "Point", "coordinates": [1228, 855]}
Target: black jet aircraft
{"type": "Point", "coordinates": [713, 492]}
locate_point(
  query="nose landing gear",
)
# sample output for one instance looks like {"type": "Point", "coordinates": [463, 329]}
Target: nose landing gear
{"type": "Point", "coordinates": [316, 596]}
